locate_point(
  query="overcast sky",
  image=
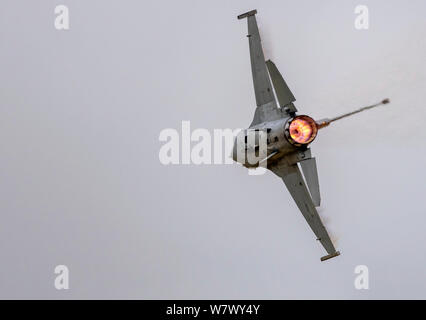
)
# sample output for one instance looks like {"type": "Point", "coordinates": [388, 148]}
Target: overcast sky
{"type": "Point", "coordinates": [81, 183]}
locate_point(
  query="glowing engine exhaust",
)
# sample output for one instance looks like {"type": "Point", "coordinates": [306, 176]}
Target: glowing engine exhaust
{"type": "Point", "coordinates": [301, 130]}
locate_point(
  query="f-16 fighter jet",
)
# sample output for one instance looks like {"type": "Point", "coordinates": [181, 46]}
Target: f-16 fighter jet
{"type": "Point", "coordinates": [285, 137]}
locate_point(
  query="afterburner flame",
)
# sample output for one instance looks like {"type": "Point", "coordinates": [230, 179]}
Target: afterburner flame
{"type": "Point", "coordinates": [303, 130]}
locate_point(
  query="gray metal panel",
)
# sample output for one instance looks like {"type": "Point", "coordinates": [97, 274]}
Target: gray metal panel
{"type": "Point", "coordinates": [284, 95]}
{"type": "Point", "coordinates": [266, 112]}
{"type": "Point", "coordinates": [295, 184]}
{"type": "Point", "coordinates": [261, 82]}
{"type": "Point", "coordinates": [309, 169]}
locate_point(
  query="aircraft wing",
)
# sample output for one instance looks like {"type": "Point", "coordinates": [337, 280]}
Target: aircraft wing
{"type": "Point", "coordinates": [295, 184]}
{"type": "Point", "coordinates": [265, 100]}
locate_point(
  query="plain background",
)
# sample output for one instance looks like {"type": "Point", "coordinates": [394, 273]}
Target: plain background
{"type": "Point", "coordinates": [81, 183]}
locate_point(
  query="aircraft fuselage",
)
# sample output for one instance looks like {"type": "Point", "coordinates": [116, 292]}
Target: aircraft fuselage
{"type": "Point", "coordinates": [276, 143]}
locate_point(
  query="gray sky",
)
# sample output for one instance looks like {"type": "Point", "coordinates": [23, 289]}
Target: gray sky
{"type": "Point", "coordinates": [82, 185]}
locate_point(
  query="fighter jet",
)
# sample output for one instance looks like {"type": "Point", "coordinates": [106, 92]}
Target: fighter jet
{"type": "Point", "coordinates": [286, 135]}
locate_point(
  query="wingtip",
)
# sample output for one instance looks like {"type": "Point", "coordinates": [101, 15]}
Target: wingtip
{"type": "Point", "coordinates": [247, 14]}
{"type": "Point", "coordinates": [337, 253]}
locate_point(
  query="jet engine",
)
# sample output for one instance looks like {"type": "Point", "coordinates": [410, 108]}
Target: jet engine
{"type": "Point", "coordinates": [301, 130]}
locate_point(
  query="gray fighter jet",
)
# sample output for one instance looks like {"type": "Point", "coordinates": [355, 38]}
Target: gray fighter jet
{"type": "Point", "coordinates": [287, 136]}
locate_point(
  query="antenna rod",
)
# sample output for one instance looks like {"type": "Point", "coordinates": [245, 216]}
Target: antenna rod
{"type": "Point", "coordinates": [325, 122]}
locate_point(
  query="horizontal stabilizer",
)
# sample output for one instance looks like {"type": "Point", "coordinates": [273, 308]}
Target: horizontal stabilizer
{"type": "Point", "coordinates": [284, 95]}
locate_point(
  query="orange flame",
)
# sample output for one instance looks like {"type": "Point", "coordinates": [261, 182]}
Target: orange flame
{"type": "Point", "coordinates": [301, 131]}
